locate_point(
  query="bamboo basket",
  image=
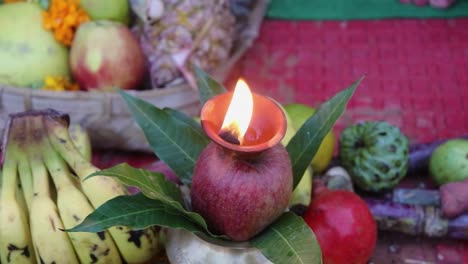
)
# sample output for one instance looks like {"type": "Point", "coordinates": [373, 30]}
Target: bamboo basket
{"type": "Point", "coordinates": [104, 114]}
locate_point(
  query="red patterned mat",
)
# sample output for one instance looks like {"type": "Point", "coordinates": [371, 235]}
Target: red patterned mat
{"type": "Point", "coordinates": [416, 70]}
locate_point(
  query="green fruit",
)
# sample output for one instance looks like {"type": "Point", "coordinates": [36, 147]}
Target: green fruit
{"type": "Point", "coordinates": [299, 113]}
{"type": "Point", "coordinates": [115, 10]}
{"type": "Point", "coordinates": [290, 129]}
{"type": "Point", "coordinates": [303, 191]}
{"type": "Point", "coordinates": [449, 162]}
{"type": "Point", "coordinates": [375, 154]}
{"type": "Point", "coordinates": [28, 53]}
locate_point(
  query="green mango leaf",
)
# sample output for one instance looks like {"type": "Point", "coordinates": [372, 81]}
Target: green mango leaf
{"type": "Point", "coordinates": [175, 142]}
{"type": "Point", "coordinates": [289, 240]}
{"type": "Point", "coordinates": [305, 143]}
{"type": "Point", "coordinates": [152, 184]}
{"type": "Point", "coordinates": [186, 119]}
{"type": "Point", "coordinates": [136, 212]}
{"type": "Point", "coordinates": [207, 86]}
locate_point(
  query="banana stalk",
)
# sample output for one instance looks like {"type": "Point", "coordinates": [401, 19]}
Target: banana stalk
{"type": "Point", "coordinates": [135, 246]}
{"type": "Point", "coordinates": [51, 244]}
{"type": "Point", "coordinates": [73, 207]}
{"type": "Point", "coordinates": [15, 238]}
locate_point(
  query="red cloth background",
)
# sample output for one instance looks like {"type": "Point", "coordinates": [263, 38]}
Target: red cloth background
{"type": "Point", "coordinates": [416, 70]}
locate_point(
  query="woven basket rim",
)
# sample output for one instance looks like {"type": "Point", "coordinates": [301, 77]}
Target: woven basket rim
{"type": "Point", "coordinates": [83, 95]}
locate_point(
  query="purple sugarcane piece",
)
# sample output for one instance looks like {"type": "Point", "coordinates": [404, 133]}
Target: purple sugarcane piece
{"type": "Point", "coordinates": [458, 227]}
{"type": "Point", "coordinates": [441, 3]}
{"type": "Point", "coordinates": [396, 217]}
{"type": "Point", "coordinates": [416, 220]}
{"type": "Point", "coordinates": [416, 196]}
{"type": "Point", "coordinates": [420, 154]}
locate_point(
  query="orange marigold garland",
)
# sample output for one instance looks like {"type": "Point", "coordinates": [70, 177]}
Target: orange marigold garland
{"type": "Point", "coordinates": [64, 17]}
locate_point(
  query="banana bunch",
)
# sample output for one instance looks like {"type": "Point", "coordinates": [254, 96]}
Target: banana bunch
{"type": "Point", "coordinates": [43, 193]}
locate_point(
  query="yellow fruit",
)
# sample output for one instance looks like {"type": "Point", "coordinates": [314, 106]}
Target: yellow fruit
{"type": "Point", "coordinates": [299, 113]}
{"type": "Point", "coordinates": [303, 191]}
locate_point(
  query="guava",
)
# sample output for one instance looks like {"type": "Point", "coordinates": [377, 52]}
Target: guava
{"type": "Point", "coordinates": [449, 162]}
{"type": "Point", "coordinates": [28, 52]}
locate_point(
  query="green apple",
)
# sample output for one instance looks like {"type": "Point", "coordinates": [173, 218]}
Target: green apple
{"type": "Point", "coordinates": [115, 10]}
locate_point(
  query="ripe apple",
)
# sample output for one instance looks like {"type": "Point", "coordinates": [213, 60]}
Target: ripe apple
{"type": "Point", "coordinates": [105, 55]}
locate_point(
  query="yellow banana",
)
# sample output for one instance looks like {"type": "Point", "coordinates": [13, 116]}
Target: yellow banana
{"type": "Point", "coordinates": [73, 207]}
{"type": "Point", "coordinates": [51, 244]}
{"type": "Point", "coordinates": [15, 239]}
{"type": "Point", "coordinates": [26, 190]}
{"type": "Point", "coordinates": [81, 140]}
{"type": "Point", "coordinates": [135, 246]}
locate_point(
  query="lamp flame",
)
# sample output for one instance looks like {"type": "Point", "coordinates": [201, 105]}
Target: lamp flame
{"type": "Point", "coordinates": [239, 113]}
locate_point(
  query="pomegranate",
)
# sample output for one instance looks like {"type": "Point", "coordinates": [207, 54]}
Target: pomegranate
{"type": "Point", "coordinates": [344, 226]}
{"type": "Point", "coordinates": [240, 196]}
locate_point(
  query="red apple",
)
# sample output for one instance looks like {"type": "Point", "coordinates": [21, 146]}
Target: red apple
{"type": "Point", "coordinates": [105, 55]}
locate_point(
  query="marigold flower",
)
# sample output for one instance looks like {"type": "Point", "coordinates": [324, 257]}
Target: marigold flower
{"type": "Point", "coordinates": [64, 17]}
{"type": "Point", "coordinates": [59, 83]}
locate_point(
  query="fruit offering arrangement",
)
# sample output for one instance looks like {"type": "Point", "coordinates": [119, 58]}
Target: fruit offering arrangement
{"type": "Point", "coordinates": [126, 212]}
{"type": "Point", "coordinates": [100, 45]}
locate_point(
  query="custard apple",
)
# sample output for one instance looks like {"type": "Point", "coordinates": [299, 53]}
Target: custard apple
{"type": "Point", "coordinates": [375, 153]}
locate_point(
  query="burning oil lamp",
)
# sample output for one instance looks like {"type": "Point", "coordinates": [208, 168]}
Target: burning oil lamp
{"type": "Point", "coordinates": [243, 179]}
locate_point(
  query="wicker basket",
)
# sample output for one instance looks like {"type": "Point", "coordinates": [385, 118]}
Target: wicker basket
{"type": "Point", "coordinates": [105, 115]}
